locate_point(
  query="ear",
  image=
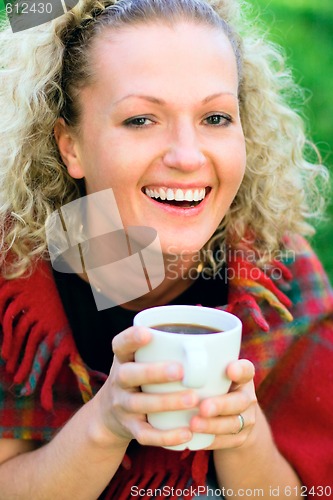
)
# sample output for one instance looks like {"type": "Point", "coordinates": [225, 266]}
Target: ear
{"type": "Point", "coordinates": [67, 145]}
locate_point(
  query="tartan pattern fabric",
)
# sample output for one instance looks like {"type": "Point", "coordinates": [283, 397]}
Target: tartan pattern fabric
{"type": "Point", "coordinates": [294, 363]}
{"type": "Point", "coordinates": [22, 418]}
{"type": "Point", "coordinates": [287, 334]}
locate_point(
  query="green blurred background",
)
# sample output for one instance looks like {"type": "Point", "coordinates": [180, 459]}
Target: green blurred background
{"type": "Point", "coordinates": [305, 29]}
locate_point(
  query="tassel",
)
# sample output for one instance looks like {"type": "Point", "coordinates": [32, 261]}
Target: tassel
{"type": "Point", "coordinates": [249, 275]}
{"type": "Point", "coordinates": [77, 366]}
{"type": "Point", "coordinates": [179, 482]}
{"type": "Point", "coordinates": [120, 489]}
{"type": "Point", "coordinates": [37, 345]}
{"type": "Point", "coordinates": [24, 328]}
{"type": "Point", "coordinates": [11, 313]}
{"type": "Point", "coordinates": [41, 358]}
{"type": "Point", "coordinates": [286, 273]}
{"type": "Point", "coordinates": [200, 467]}
{"type": "Point", "coordinates": [159, 480]}
{"type": "Point", "coordinates": [7, 325]}
{"type": "Point", "coordinates": [250, 282]}
{"type": "Point", "coordinates": [158, 469]}
{"type": "Point", "coordinates": [59, 355]}
{"type": "Point", "coordinates": [35, 338]}
{"type": "Point", "coordinates": [263, 293]}
{"type": "Point", "coordinates": [246, 301]}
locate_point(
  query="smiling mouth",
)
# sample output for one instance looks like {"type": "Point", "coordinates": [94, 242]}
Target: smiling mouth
{"type": "Point", "coordinates": [181, 198]}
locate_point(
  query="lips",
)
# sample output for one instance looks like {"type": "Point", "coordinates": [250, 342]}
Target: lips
{"type": "Point", "coordinates": [178, 196]}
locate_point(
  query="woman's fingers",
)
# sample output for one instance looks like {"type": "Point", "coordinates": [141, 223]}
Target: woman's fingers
{"type": "Point", "coordinates": [145, 434]}
{"type": "Point", "coordinates": [217, 415]}
{"type": "Point", "coordinates": [231, 414]}
{"type": "Point", "coordinates": [232, 403]}
{"type": "Point", "coordinates": [143, 403]}
{"type": "Point", "coordinates": [127, 342]}
{"type": "Point", "coordinates": [230, 418]}
{"type": "Point", "coordinates": [229, 425]}
{"type": "Point", "coordinates": [240, 372]}
{"type": "Point", "coordinates": [132, 375]}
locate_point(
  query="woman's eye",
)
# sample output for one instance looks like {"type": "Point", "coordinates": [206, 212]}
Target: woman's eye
{"type": "Point", "coordinates": [218, 120]}
{"type": "Point", "coordinates": [138, 122]}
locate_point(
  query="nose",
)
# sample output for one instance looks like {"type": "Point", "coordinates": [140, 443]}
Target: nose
{"type": "Point", "coordinates": [184, 152]}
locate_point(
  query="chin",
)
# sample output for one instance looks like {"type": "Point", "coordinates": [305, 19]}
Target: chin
{"type": "Point", "coordinates": [183, 241]}
{"type": "Point", "coordinates": [179, 248]}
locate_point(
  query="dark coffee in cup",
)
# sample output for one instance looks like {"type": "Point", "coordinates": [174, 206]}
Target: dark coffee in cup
{"type": "Point", "coordinates": [185, 328]}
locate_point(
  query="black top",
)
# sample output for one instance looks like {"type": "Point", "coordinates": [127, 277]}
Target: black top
{"type": "Point", "coordinates": [94, 330]}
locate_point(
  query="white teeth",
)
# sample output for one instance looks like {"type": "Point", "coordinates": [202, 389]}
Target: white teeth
{"type": "Point", "coordinates": [189, 195]}
{"type": "Point", "coordinates": [177, 194]}
{"type": "Point", "coordinates": [170, 195]}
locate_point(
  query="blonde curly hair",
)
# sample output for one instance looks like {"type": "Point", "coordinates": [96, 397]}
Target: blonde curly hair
{"type": "Point", "coordinates": [42, 70]}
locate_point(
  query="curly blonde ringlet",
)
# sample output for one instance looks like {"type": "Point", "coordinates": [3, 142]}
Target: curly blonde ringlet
{"type": "Point", "coordinates": [41, 73]}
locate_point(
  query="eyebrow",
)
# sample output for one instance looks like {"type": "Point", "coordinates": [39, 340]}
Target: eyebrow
{"type": "Point", "coordinates": [161, 102]}
{"type": "Point", "coordinates": [218, 94]}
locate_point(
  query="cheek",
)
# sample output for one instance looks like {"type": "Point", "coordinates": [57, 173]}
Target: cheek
{"type": "Point", "coordinates": [105, 168]}
{"type": "Point", "coordinates": [232, 167]}
{"type": "Point", "coordinates": [240, 166]}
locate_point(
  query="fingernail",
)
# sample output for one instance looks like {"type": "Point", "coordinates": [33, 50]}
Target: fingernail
{"type": "Point", "coordinates": [186, 436]}
{"type": "Point", "coordinates": [212, 410]}
{"type": "Point", "coordinates": [140, 334]}
{"type": "Point", "coordinates": [173, 372]}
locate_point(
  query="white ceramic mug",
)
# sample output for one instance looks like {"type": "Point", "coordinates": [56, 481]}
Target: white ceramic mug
{"type": "Point", "coordinates": [204, 357]}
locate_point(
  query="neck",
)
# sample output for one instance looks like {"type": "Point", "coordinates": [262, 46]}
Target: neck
{"type": "Point", "coordinates": [180, 274]}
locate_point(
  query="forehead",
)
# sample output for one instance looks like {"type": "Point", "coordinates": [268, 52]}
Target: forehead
{"type": "Point", "coordinates": [156, 54]}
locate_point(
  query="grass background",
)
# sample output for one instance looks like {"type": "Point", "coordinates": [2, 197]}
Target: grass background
{"type": "Point", "coordinates": [305, 29]}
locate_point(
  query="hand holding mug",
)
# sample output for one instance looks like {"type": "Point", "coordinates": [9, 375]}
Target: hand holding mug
{"type": "Point", "coordinates": [230, 417]}
{"type": "Point", "coordinates": [123, 407]}
{"type": "Point", "coordinates": [204, 357]}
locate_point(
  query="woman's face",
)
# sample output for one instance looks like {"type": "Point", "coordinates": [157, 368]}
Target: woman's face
{"type": "Point", "coordinates": [160, 126]}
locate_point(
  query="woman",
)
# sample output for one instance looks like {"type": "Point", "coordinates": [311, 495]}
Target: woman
{"type": "Point", "coordinates": [164, 103]}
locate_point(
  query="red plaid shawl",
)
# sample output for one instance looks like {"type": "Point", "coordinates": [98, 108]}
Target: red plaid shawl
{"type": "Point", "coordinates": [288, 334]}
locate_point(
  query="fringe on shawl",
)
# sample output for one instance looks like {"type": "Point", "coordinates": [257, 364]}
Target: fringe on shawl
{"type": "Point", "coordinates": [168, 478]}
{"type": "Point", "coordinates": [251, 284]}
{"type": "Point", "coordinates": [34, 352]}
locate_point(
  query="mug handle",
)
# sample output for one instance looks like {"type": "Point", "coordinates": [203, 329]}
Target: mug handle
{"type": "Point", "coordinates": [195, 364]}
